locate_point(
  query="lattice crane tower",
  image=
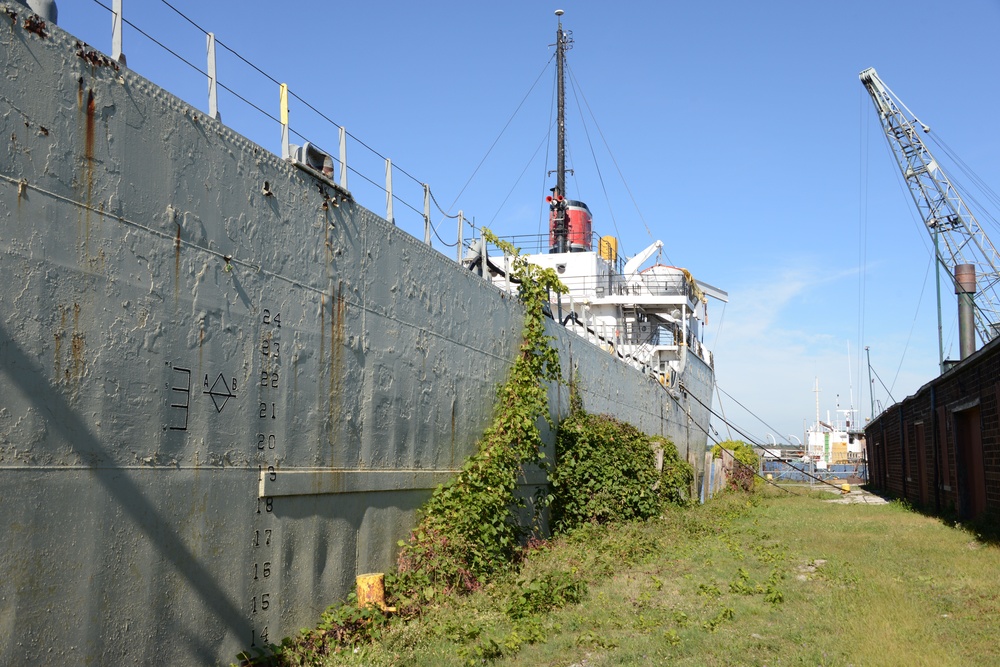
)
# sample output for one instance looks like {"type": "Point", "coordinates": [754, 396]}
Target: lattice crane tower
{"type": "Point", "coordinates": [958, 237]}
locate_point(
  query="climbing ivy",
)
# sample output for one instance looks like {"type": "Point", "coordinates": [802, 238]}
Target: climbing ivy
{"type": "Point", "coordinates": [469, 527]}
{"type": "Point", "coordinates": [743, 476]}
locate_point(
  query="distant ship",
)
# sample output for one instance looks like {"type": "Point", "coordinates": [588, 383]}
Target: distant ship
{"type": "Point", "coordinates": [835, 442]}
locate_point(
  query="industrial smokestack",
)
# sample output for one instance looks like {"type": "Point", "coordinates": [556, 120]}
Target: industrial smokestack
{"type": "Point", "coordinates": [965, 287]}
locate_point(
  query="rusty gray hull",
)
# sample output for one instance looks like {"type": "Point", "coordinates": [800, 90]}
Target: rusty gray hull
{"type": "Point", "coordinates": [218, 406]}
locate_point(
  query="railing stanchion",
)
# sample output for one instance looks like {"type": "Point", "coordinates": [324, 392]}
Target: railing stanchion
{"type": "Point", "coordinates": [427, 214]}
{"type": "Point", "coordinates": [213, 89]}
{"type": "Point", "coordinates": [283, 99]}
{"type": "Point", "coordinates": [210, 72]}
{"type": "Point", "coordinates": [484, 270]}
{"type": "Point", "coordinates": [388, 191]}
{"type": "Point", "coordinates": [343, 158]}
{"type": "Point", "coordinates": [116, 32]}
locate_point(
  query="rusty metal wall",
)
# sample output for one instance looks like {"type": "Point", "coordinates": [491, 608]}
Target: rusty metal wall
{"type": "Point", "coordinates": [217, 406]}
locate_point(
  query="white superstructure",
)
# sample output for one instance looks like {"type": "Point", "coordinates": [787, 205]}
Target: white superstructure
{"type": "Point", "coordinates": [651, 317]}
{"type": "Point", "coordinates": [838, 440]}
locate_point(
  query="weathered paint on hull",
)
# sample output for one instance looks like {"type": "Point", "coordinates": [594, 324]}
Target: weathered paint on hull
{"type": "Point", "coordinates": [219, 406]}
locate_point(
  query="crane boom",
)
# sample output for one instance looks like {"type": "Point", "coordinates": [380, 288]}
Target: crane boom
{"type": "Point", "coordinates": [958, 237]}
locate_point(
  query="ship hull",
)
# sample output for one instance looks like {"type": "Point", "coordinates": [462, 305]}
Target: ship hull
{"type": "Point", "coordinates": [220, 405]}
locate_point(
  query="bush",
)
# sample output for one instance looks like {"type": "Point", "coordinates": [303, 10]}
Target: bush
{"type": "Point", "coordinates": [743, 476]}
{"type": "Point", "coordinates": [605, 471]}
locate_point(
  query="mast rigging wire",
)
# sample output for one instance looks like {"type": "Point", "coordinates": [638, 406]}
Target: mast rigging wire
{"type": "Point", "coordinates": [751, 440]}
{"type": "Point", "coordinates": [613, 160]}
{"type": "Point", "coordinates": [864, 146]}
{"type": "Point", "coordinates": [748, 410]}
{"type": "Point", "coordinates": [913, 325]}
{"type": "Point", "coordinates": [597, 167]}
{"type": "Point", "coordinates": [504, 129]}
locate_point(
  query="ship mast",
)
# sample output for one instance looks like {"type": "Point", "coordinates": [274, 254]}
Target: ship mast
{"type": "Point", "coordinates": [561, 47]}
{"type": "Point", "coordinates": [558, 219]}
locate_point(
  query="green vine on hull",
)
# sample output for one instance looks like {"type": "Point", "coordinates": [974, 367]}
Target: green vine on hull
{"type": "Point", "coordinates": [469, 528]}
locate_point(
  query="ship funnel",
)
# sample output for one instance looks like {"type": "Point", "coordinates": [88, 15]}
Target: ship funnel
{"type": "Point", "coordinates": [965, 288]}
{"type": "Point", "coordinates": [45, 8]}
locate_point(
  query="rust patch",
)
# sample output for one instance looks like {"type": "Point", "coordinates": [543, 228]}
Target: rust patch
{"type": "Point", "coordinates": [94, 58]}
{"type": "Point", "coordinates": [58, 335]}
{"type": "Point", "coordinates": [341, 308]}
{"type": "Point", "coordinates": [12, 15]}
{"type": "Point", "coordinates": [337, 337]}
{"type": "Point", "coordinates": [35, 25]}
{"type": "Point", "coordinates": [326, 197]}
{"type": "Point", "coordinates": [84, 102]}
{"type": "Point", "coordinates": [88, 159]}
{"type": "Point", "coordinates": [77, 344]}
{"type": "Point", "coordinates": [335, 351]}
{"type": "Point", "coordinates": [91, 108]}
{"type": "Point", "coordinates": [322, 328]}
{"type": "Point", "coordinates": [73, 372]}
{"type": "Point", "coordinates": [58, 354]}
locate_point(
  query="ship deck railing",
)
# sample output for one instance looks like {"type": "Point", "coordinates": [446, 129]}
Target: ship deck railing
{"type": "Point", "coordinates": [358, 168]}
{"type": "Point", "coordinates": [179, 49]}
{"type": "Point", "coordinates": [643, 349]}
{"type": "Point", "coordinates": [541, 244]}
{"type": "Point", "coordinates": [246, 99]}
{"type": "Point", "coordinates": [615, 284]}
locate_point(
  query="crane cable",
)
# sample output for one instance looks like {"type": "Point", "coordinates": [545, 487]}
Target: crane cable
{"type": "Point", "coordinates": [751, 440]}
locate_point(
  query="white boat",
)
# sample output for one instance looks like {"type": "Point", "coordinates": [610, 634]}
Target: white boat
{"type": "Point", "coordinates": [836, 441]}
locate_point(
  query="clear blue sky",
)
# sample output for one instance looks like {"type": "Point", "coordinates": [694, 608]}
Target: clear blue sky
{"type": "Point", "coordinates": [742, 131]}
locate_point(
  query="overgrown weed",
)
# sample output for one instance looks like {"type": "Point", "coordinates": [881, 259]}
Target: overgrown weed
{"type": "Point", "coordinates": [729, 582]}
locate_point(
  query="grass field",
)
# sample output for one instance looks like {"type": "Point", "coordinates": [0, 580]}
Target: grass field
{"type": "Point", "coordinates": [776, 579]}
